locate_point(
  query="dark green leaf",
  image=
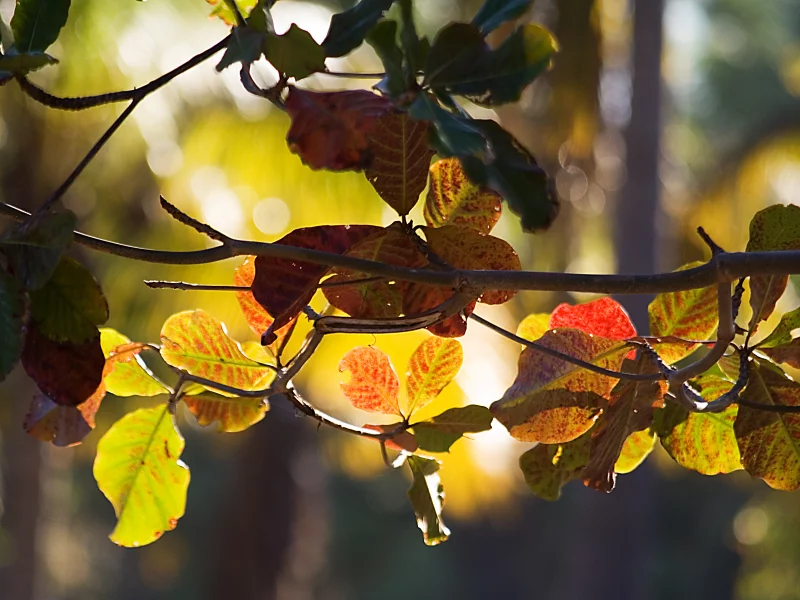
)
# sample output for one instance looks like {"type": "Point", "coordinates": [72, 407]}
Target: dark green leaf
{"type": "Point", "coordinates": [349, 28]}
{"type": "Point", "coordinates": [427, 498]}
{"type": "Point", "coordinates": [548, 467]}
{"type": "Point", "coordinates": [35, 247]}
{"type": "Point", "coordinates": [21, 64]}
{"type": "Point", "coordinates": [456, 51]}
{"type": "Point", "coordinates": [383, 39]}
{"type": "Point", "coordinates": [12, 307]}
{"type": "Point", "coordinates": [409, 39]}
{"type": "Point", "coordinates": [245, 46]}
{"type": "Point", "coordinates": [442, 431]}
{"type": "Point", "coordinates": [454, 135]}
{"type": "Point", "coordinates": [37, 23]}
{"type": "Point", "coordinates": [494, 13]}
{"type": "Point", "coordinates": [295, 53]}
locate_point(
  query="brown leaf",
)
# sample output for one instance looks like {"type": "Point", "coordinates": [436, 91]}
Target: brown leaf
{"type": "Point", "coordinates": [420, 298]}
{"type": "Point", "coordinates": [62, 425]}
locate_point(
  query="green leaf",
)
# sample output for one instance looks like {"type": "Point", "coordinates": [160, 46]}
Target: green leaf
{"type": "Point", "coordinates": [245, 46]}
{"type": "Point", "coordinates": [383, 39]}
{"type": "Point", "coordinates": [427, 498]}
{"type": "Point", "coordinates": [494, 13]}
{"type": "Point", "coordinates": [349, 28]}
{"type": "Point", "coordinates": [702, 442]}
{"type": "Point", "coordinates": [139, 470]}
{"type": "Point", "coordinates": [635, 449]}
{"type": "Point", "coordinates": [433, 365]}
{"type": "Point", "coordinates": [782, 334]}
{"type": "Point", "coordinates": [22, 64]}
{"type": "Point", "coordinates": [453, 136]}
{"type": "Point", "coordinates": [12, 309]}
{"type": "Point", "coordinates": [294, 53]}
{"type": "Point", "coordinates": [442, 431]}
{"type": "Point", "coordinates": [222, 11]}
{"type": "Point", "coordinates": [409, 40]}
{"type": "Point", "coordinates": [71, 305]}
{"type": "Point", "coordinates": [34, 248]}
{"type": "Point", "coordinates": [691, 314]}
{"type": "Point", "coordinates": [233, 414]}
{"type": "Point", "coordinates": [548, 467]}
{"type": "Point", "coordinates": [37, 23]}
{"type": "Point", "coordinates": [774, 228]}
{"type": "Point", "coordinates": [125, 373]}
{"type": "Point", "coordinates": [769, 442]}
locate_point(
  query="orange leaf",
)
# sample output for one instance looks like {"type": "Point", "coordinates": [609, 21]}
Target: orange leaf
{"type": "Point", "coordinates": [62, 425]}
{"type": "Point", "coordinates": [434, 364]}
{"type": "Point", "coordinates": [373, 384]}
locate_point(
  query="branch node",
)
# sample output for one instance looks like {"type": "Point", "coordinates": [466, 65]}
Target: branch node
{"type": "Point", "coordinates": [203, 228]}
{"type": "Point", "coordinates": [715, 248]}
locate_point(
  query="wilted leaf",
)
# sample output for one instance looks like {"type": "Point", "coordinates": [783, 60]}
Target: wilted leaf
{"type": "Point", "coordinates": [533, 326]}
{"type": "Point", "coordinates": [442, 431]}
{"type": "Point", "coordinates": [294, 53]}
{"type": "Point", "coordinates": [769, 442]}
{"type": "Point", "coordinates": [284, 286]}
{"type": "Point", "coordinates": [233, 414]}
{"type": "Point", "coordinates": [331, 130]}
{"type": "Point", "coordinates": [62, 425]}
{"type": "Point", "coordinates": [427, 498]}
{"type": "Point", "coordinates": [465, 248]}
{"type": "Point", "coordinates": [139, 470]}
{"type": "Point", "coordinates": [400, 160]}
{"type": "Point", "coordinates": [454, 200]}
{"type": "Point", "coordinates": [702, 442]}
{"type": "Point", "coordinates": [373, 384]}
{"type": "Point", "coordinates": [198, 343]}
{"type": "Point", "coordinates": [691, 314]}
{"type": "Point", "coordinates": [433, 365]}
{"type": "Point", "coordinates": [494, 13]}
{"type": "Point", "coordinates": [548, 467]}
{"type": "Point", "coordinates": [125, 373]}
{"type": "Point", "coordinates": [348, 28]}
{"type": "Point", "coordinates": [12, 308]}
{"type": "Point", "coordinates": [37, 23]}
{"type": "Point", "coordinates": [604, 317]}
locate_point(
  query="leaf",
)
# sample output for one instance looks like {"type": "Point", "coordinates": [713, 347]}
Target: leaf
{"type": "Point", "coordinates": [465, 248]}
{"type": "Point", "coordinates": [630, 409]}
{"type": "Point", "coordinates": [68, 372]}
{"type": "Point", "coordinates": [125, 373]}
{"type": "Point", "coordinates": [420, 298]}
{"type": "Point", "coordinates": [774, 228]}
{"type": "Point", "coordinates": [691, 314]}
{"type": "Point", "coordinates": [604, 317]}
{"type": "Point", "coordinates": [769, 442]}
{"type": "Point", "coordinates": [382, 299]}
{"type": "Point", "coordinates": [494, 13]}
{"type": "Point", "coordinates": [401, 157]}
{"type": "Point", "coordinates": [533, 326]}
{"type": "Point", "coordinates": [782, 334]}
{"type": "Point", "coordinates": [294, 53]}
{"type": "Point", "coordinates": [71, 305]}
{"type": "Point", "coordinates": [427, 498]}
{"type": "Point", "coordinates": [285, 286]}
{"type": "Point", "coordinates": [245, 45]}
{"type": "Point", "coordinates": [553, 401]}
{"type": "Point", "coordinates": [34, 248]}
{"type": "Point", "coordinates": [330, 130]}
{"type": "Point", "coordinates": [403, 441]}
{"type": "Point", "coordinates": [12, 309]}
{"type": "Point", "coordinates": [233, 414]}
{"type": "Point", "coordinates": [785, 353]}
{"type": "Point", "coordinates": [37, 23]}
{"type": "Point", "coordinates": [198, 343]}
{"type": "Point", "coordinates": [454, 200]}
{"type": "Point", "coordinates": [702, 442]}
{"type": "Point", "coordinates": [383, 39]}
{"type": "Point", "coordinates": [433, 365]}
{"type": "Point", "coordinates": [349, 28]}
{"type": "Point", "coordinates": [635, 449]}
{"type": "Point", "coordinates": [22, 64]}
{"type": "Point", "coordinates": [256, 316]}
{"type": "Point", "coordinates": [222, 11]}
{"type": "Point", "coordinates": [62, 425]}
{"type": "Point", "coordinates": [139, 470]}
{"type": "Point", "coordinates": [373, 384]}
{"type": "Point", "coordinates": [452, 135]}
{"type": "Point", "coordinates": [442, 431]}
{"type": "Point", "coordinates": [548, 467]}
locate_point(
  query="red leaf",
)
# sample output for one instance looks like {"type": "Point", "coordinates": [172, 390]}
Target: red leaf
{"type": "Point", "coordinates": [373, 384]}
{"type": "Point", "coordinates": [604, 317]}
{"type": "Point", "coordinates": [284, 286]}
{"type": "Point", "coordinates": [330, 130]}
{"type": "Point", "coordinates": [69, 373]}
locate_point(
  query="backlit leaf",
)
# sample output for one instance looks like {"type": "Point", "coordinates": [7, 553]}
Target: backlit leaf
{"type": "Point", "coordinates": [22, 64]}
{"type": "Point", "coordinates": [533, 326]}
{"type": "Point", "coordinates": [349, 28]}
{"type": "Point", "coordinates": [774, 228]}
{"type": "Point", "coordinates": [433, 365]}
{"type": "Point", "coordinates": [223, 11]}
{"type": "Point", "coordinates": [604, 317]}
{"type": "Point", "coordinates": [125, 373]}
{"type": "Point", "coordinates": [635, 449]}
{"type": "Point", "coordinates": [403, 441]}
{"type": "Point", "coordinates": [548, 467]}
{"type": "Point", "coordinates": [331, 130]}
{"type": "Point", "coordinates": [198, 343]}
{"type": "Point", "coordinates": [37, 23]}
{"type": "Point", "coordinates": [139, 470]}
{"type": "Point", "coordinates": [420, 298]}
{"type": "Point", "coordinates": [769, 442]}
{"type": "Point", "coordinates": [233, 414]}
{"type": "Point", "coordinates": [62, 425]}
{"type": "Point", "coordinates": [400, 159]}
{"type": "Point", "coordinates": [294, 53]}
{"type": "Point", "coordinates": [465, 248]}
{"type": "Point", "coordinates": [553, 401]}
{"type": "Point", "coordinates": [12, 308]}
{"type": "Point", "coordinates": [702, 442]}
{"type": "Point", "coordinates": [442, 431]}
{"type": "Point", "coordinates": [782, 334]}
{"type": "Point", "coordinates": [494, 13]}
{"type": "Point", "coordinates": [373, 384]}
{"type": "Point", "coordinates": [427, 498]}
{"type": "Point", "coordinates": [691, 314]}
{"type": "Point", "coordinates": [284, 286]}
{"type": "Point", "coordinates": [454, 200]}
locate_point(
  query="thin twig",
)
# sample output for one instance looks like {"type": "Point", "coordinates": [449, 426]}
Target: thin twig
{"type": "Point", "coordinates": [328, 284]}
{"type": "Point", "coordinates": [194, 287]}
{"type": "Point", "coordinates": [198, 226]}
{"type": "Point", "coordinates": [347, 75]}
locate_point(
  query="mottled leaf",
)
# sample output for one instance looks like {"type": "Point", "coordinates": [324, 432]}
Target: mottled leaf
{"type": "Point", "coordinates": [433, 365]}
{"type": "Point", "coordinates": [454, 200]}
{"type": "Point", "coordinates": [785, 353]}
{"type": "Point", "coordinates": [294, 53]}
{"type": "Point", "coordinates": [373, 384]}
{"type": "Point", "coordinates": [37, 23]}
{"type": "Point", "coordinates": [533, 326]}
{"type": "Point", "coordinates": [604, 317]}
{"type": "Point", "coordinates": [284, 286]}
{"type": "Point", "coordinates": [779, 345]}
{"type": "Point", "coordinates": [62, 425]}
{"type": "Point", "coordinates": [442, 431]}
{"type": "Point", "coordinates": [233, 414]}
{"type": "Point", "coordinates": [691, 314]}
{"type": "Point", "coordinates": [494, 13]}
{"type": "Point", "coordinates": [548, 467]}
{"type": "Point", "coordinates": [331, 130]}
{"type": "Point", "coordinates": [400, 159]}
{"type": "Point", "coordinates": [427, 498]}
{"type": "Point", "coordinates": [198, 343]}
{"type": "Point", "coordinates": [12, 308]}
{"type": "Point", "coordinates": [348, 28]}
{"type": "Point", "coordinates": [139, 470]}
{"type": "Point", "coordinates": [635, 449]}
{"type": "Point", "coordinates": [125, 373]}
{"type": "Point", "coordinates": [769, 442]}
